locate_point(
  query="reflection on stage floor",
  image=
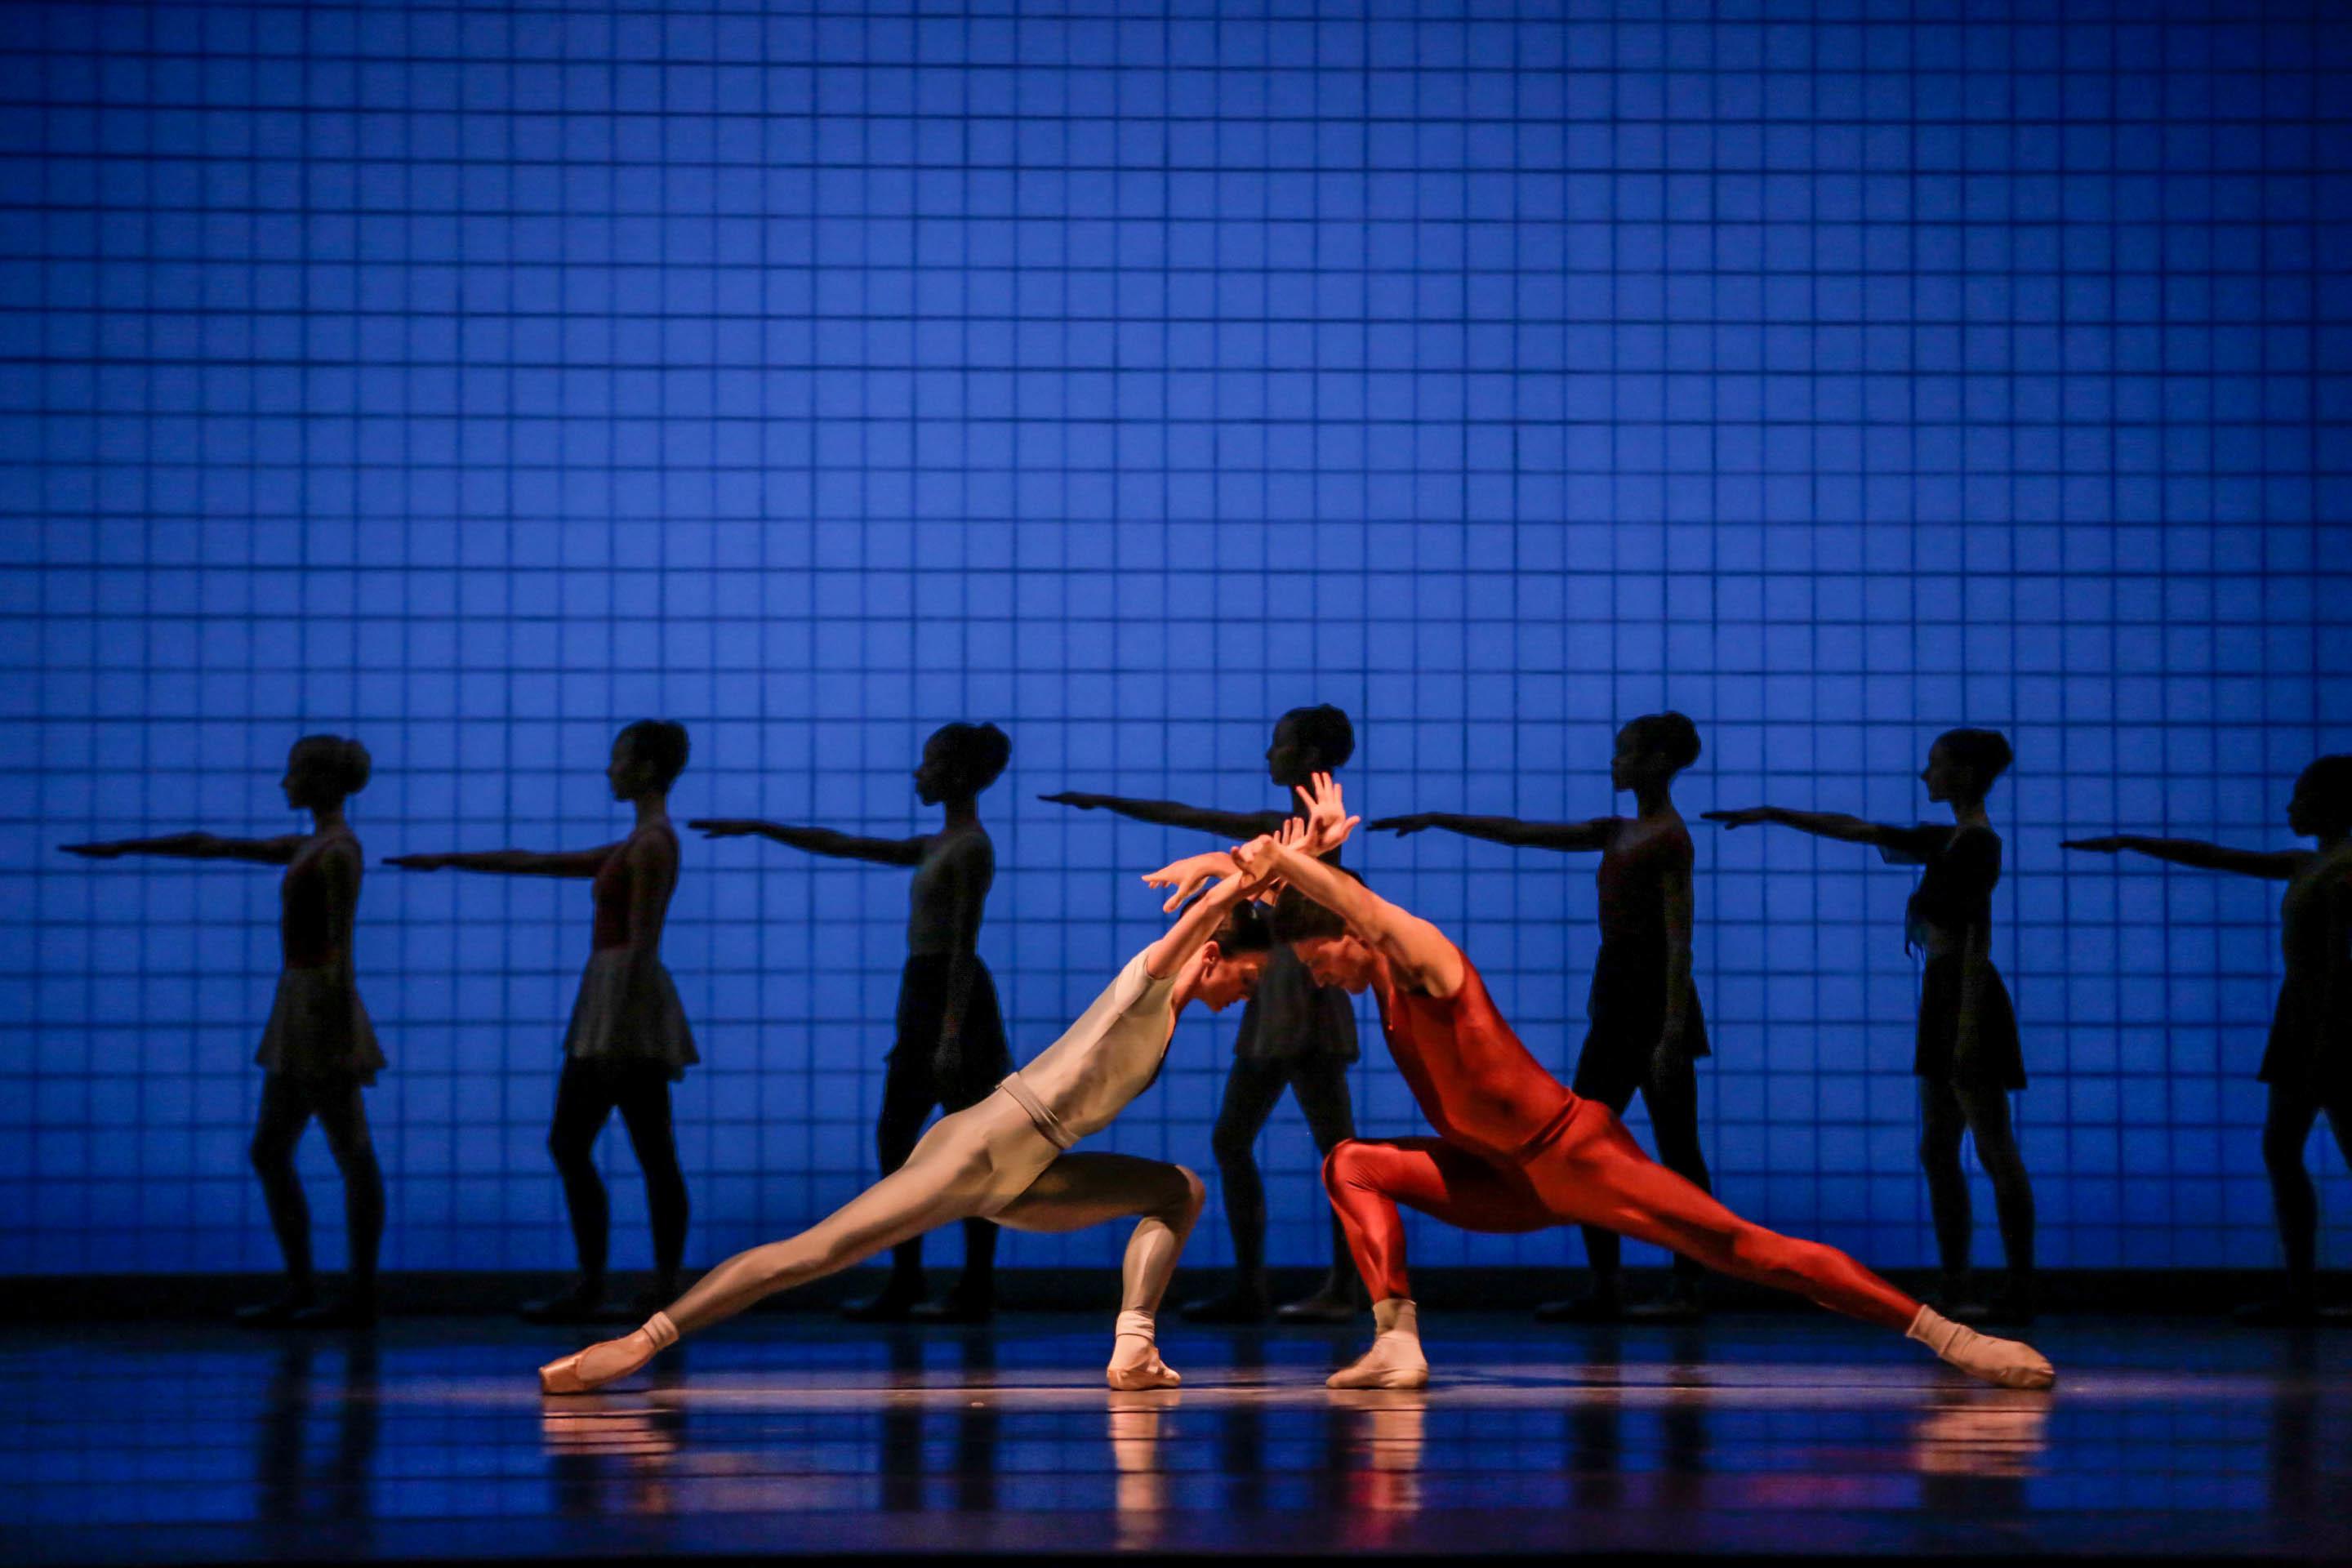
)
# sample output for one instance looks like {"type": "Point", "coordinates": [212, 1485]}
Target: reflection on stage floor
{"type": "Point", "coordinates": [793, 1433]}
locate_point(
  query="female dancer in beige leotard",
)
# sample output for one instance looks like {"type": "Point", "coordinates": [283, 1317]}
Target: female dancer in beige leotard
{"type": "Point", "coordinates": [1006, 1159]}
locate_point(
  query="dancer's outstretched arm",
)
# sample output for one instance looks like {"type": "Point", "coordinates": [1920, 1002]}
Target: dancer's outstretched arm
{"type": "Point", "coordinates": [1174, 814]}
{"type": "Point", "coordinates": [278, 851]}
{"type": "Point", "coordinates": [2273, 865]}
{"type": "Point", "coordinates": [1835, 824]}
{"type": "Point", "coordinates": [818, 840]}
{"type": "Point", "coordinates": [576, 863]}
{"type": "Point", "coordinates": [1236, 880]}
{"type": "Point", "coordinates": [1567, 836]}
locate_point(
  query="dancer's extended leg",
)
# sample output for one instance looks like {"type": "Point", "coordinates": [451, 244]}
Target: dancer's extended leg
{"type": "Point", "coordinates": [1597, 1173]}
{"type": "Point", "coordinates": [973, 1163]}
{"type": "Point", "coordinates": [908, 1096]}
{"type": "Point", "coordinates": [1081, 1190]}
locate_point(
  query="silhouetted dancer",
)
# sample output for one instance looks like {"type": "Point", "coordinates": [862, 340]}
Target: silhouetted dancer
{"type": "Point", "coordinates": [1294, 1035]}
{"type": "Point", "coordinates": [2308, 1062]}
{"type": "Point", "coordinates": [1967, 1058]}
{"type": "Point", "coordinates": [628, 1040]}
{"type": "Point", "coordinates": [1646, 1030]}
{"type": "Point", "coordinates": [950, 1049]}
{"type": "Point", "coordinates": [318, 1050]}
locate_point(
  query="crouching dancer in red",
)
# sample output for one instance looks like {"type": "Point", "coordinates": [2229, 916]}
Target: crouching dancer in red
{"type": "Point", "coordinates": [1516, 1151]}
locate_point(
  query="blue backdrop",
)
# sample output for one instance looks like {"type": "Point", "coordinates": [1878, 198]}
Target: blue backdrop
{"type": "Point", "coordinates": [476, 379]}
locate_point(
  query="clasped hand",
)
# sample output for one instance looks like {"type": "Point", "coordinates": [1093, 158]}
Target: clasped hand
{"type": "Point", "coordinates": [1323, 828]}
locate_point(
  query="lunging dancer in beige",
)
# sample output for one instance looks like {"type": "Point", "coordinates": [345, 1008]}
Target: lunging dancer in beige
{"type": "Point", "coordinates": [1007, 1158]}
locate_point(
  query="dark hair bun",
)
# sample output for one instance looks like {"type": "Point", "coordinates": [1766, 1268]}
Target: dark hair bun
{"type": "Point", "coordinates": [1245, 928]}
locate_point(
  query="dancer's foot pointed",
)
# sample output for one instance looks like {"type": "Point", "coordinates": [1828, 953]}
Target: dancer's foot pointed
{"type": "Point", "coordinates": [2012, 1364]}
{"type": "Point", "coordinates": [584, 1372]}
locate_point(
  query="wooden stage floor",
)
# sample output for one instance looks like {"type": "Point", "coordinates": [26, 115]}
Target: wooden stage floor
{"type": "Point", "coordinates": [787, 1434]}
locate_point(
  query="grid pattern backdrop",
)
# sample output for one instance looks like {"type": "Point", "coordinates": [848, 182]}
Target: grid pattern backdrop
{"type": "Point", "coordinates": [473, 380]}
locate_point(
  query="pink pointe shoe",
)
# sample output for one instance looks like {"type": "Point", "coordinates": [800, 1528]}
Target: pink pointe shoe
{"type": "Point", "coordinates": [584, 1372]}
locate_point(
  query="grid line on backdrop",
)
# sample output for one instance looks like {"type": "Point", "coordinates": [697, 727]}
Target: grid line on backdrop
{"type": "Point", "coordinates": [476, 380]}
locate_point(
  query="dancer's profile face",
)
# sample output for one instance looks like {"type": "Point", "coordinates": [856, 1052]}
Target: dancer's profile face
{"type": "Point", "coordinates": [934, 776]}
{"type": "Point", "coordinates": [305, 782]}
{"type": "Point", "coordinates": [1228, 977]}
{"type": "Point", "coordinates": [1288, 761]}
{"type": "Point", "coordinates": [628, 776]}
{"type": "Point", "coordinates": [2310, 816]}
{"type": "Point", "coordinates": [1945, 779]}
{"type": "Point", "coordinates": [1339, 961]}
{"type": "Point", "coordinates": [1633, 768]}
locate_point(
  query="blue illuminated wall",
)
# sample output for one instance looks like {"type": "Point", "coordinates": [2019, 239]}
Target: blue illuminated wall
{"type": "Point", "coordinates": [474, 380]}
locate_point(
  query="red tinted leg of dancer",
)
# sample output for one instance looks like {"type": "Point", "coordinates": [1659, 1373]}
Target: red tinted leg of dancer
{"type": "Point", "coordinates": [1596, 1174]}
{"type": "Point", "coordinates": [1368, 1178]}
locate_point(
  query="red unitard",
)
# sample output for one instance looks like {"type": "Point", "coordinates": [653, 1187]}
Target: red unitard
{"type": "Point", "coordinates": [1516, 1151]}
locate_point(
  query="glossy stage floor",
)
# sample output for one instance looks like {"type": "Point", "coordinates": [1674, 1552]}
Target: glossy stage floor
{"type": "Point", "coordinates": [1779, 1434]}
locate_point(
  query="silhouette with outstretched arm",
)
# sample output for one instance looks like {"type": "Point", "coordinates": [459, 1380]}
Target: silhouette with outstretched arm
{"type": "Point", "coordinates": [1646, 1030]}
{"type": "Point", "coordinates": [1968, 1058]}
{"type": "Point", "coordinates": [950, 1049]}
{"type": "Point", "coordinates": [318, 1049]}
{"type": "Point", "coordinates": [2308, 1063]}
{"type": "Point", "coordinates": [629, 1038]}
{"type": "Point", "coordinates": [1294, 1035]}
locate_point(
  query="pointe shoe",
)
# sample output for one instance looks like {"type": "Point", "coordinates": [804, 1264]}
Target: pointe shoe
{"type": "Point", "coordinates": [1393, 1361]}
{"type": "Point", "coordinates": [564, 1376]}
{"type": "Point", "coordinates": [1148, 1373]}
{"type": "Point", "coordinates": [616, 1359]}
{"type": "Point", "coordinates": [1135, 1360]}
{"type": "Point", "coordinates": [2011, 1363]}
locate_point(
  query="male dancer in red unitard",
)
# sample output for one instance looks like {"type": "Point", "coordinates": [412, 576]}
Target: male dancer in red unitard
{"type": "Point", "coordinates": [1516, 1151]}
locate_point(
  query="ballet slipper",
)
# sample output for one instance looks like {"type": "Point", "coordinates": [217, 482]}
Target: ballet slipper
{"type": "Point", "coordinates": [2011, 1363]}
{"type": "Point", "coordinates": [584, 1372]}
{"type": "Point", "coordinates": [1396, 1360]}
{"type": "Point", "coordinates": [1135, 1360]}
